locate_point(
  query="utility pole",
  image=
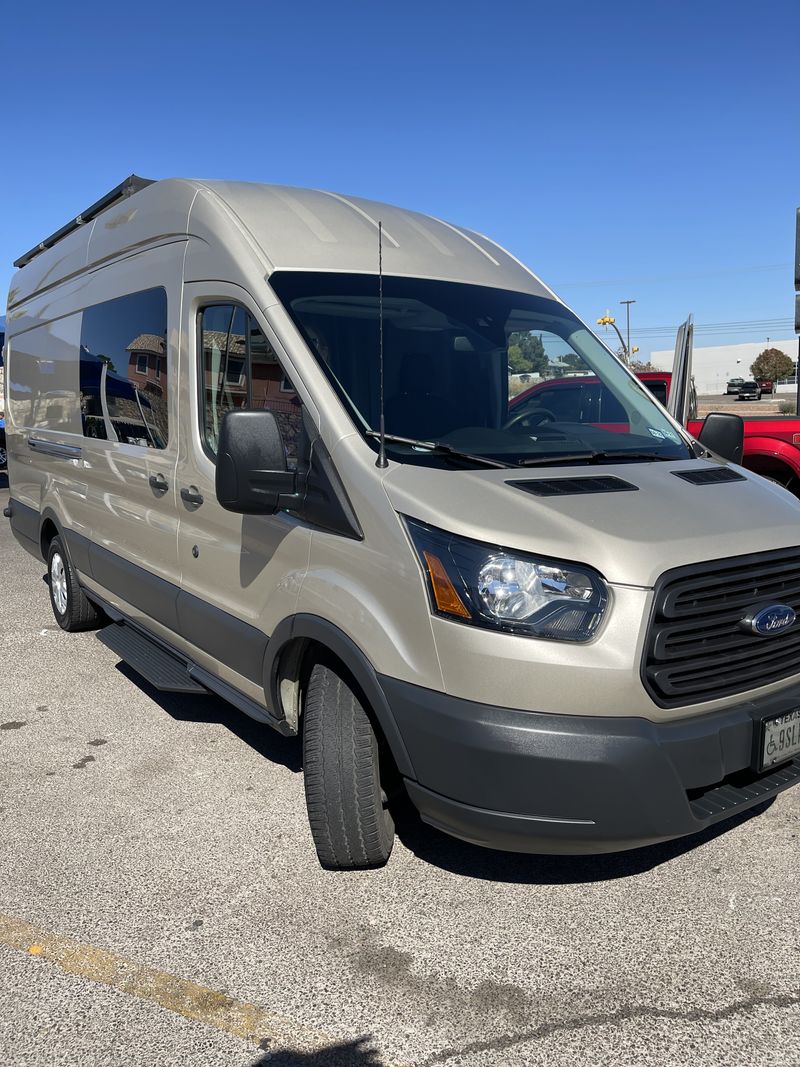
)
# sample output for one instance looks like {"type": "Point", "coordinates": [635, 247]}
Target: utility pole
{"type": "Point", "coordinates": [627, 304]}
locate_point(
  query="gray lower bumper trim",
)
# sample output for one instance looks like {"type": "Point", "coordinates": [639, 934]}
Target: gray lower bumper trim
{"type": "Point", "coordinates": [728, 798]}
{"type": "Point", "coordinates": [535, 782]}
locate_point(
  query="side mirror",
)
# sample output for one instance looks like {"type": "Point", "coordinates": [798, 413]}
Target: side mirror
{"type": "Point", "coordinates": [252, 477]}
{"type": "Point", "coordinates": [723, 433]}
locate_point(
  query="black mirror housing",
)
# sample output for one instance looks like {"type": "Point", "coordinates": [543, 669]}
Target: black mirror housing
{"type": "Point", "coordinates": [252, 477]}
{"type": "Point", "coordinates": [723, 433]}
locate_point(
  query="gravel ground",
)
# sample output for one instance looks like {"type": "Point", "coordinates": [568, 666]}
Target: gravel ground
{"type": "Point", "coordinates": [171, 832]}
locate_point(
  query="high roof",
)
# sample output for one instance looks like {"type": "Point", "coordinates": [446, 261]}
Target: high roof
{"type": "Point", "coordinates": [310, 229]}
{"type": "Point", "coordinates": [286, 228]}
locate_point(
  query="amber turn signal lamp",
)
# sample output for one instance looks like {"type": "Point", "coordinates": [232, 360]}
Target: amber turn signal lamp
{"type": "Point", "coordinates": [444, 592]}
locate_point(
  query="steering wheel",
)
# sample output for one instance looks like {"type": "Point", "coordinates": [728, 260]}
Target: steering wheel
{"type": "Point", "coordinates": [529, 420]}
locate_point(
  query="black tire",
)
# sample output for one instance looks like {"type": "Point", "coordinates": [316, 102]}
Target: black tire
{"type": "Point", "coordinates": [71, 607]}
{"type": "Point", "coordinates": [347, 809]}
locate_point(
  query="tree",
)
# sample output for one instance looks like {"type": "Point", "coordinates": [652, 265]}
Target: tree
{"type": "Point", "coordinates": [573, 360]}
{"type": "Point", "coordinates": [526, 354]}
{"type": "Point", "coordinates": [639, 367]}
{"type": "Point", "coordinates": [772, 364]}
{"type": "Point", "coordinates": [518, 363]}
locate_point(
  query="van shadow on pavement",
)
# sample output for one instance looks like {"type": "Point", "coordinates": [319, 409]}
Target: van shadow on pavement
{"type": "Point", "coordinates": [358, 1053]}
{"type": "Point", "coordinates": [474, 861]}
{"type": "Point", "coordinates": [186, 707]}
{"type": "Point", "coordinates": [431, 845]}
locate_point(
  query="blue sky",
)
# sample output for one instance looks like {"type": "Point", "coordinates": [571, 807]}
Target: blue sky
{"type": "Point", "coordinates": [623, 150]}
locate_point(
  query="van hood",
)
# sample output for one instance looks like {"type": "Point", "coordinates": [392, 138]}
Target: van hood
{"type": "Point", "coordinates": [630, 536]}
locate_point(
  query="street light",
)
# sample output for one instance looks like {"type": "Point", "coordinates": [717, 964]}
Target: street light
{"type": "Point", "coordinates": [609, 320]}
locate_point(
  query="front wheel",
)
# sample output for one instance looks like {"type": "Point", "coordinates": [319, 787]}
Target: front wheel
{"type": "Point", "coordinates": [71, 607]}
{"type": "Point", "coordinates": [347, 808]}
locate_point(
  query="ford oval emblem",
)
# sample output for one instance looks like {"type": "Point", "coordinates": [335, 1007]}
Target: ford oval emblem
{"type": "Point", "coordinates": [770, 621]}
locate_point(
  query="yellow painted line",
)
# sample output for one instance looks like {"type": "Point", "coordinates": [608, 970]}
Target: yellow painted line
{"type": "Point", "coordinates": [189, 999]}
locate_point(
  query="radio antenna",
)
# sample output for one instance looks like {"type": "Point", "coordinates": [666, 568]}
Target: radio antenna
{"type": "Point", "coordinates": [381, 460]}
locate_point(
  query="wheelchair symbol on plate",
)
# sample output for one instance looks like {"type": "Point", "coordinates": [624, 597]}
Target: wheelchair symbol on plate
{"type": "Point", "coordinates": [772, 748]}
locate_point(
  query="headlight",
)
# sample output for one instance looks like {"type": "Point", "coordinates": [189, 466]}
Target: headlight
{"type": "Point", "coordinates": [484, 585]}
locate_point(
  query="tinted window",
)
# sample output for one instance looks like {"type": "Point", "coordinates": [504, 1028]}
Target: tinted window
{"type": "Point", "coordinates": [568, 400]}
{"type": "Point", "coordinates": [454, 360]}
{"type": "Point", "coordinates": [123, 351]}
{"type": "Point", "coordinates": [240, 369]}
{"type": "Point", "coordinates": [658, 389]}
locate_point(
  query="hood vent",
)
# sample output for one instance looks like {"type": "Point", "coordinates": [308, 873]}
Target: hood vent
{"type": "Point", "coordinates": [573, 486]}
{"type": "Point", "coordinates": [710, 475]}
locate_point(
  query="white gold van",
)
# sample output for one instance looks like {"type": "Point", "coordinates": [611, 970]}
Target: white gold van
{"type": "Point", "coordinates": [263, 468]}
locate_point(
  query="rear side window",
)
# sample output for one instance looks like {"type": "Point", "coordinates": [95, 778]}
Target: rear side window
{"type": "Point", "coordinates": [123, 351]}
{"type": "Point", "coordinates": [658, 389]}
{"type": "Point", "coordinates": [238, 369]}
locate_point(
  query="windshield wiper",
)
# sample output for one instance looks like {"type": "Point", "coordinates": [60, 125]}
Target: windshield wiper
{"type": "Point", "coordinates": [591, 457]}
{"type": "Point", "coordinates": [437, 449]}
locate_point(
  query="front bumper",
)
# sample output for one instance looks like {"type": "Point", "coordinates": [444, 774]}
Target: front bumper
{"type": "Point", "coordinates": [532, 782]}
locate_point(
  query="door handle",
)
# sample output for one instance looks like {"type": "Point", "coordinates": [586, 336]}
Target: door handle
{"type": "Point", "coordinates": [158, 483]}
{"type": "Point", "coordinates": [192, 495]}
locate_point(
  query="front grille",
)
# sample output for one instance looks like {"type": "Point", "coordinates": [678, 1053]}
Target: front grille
{"type": "Point", "coordinates": [696, 647]}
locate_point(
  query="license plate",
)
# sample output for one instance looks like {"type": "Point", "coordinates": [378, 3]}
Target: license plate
{"type": "Point", "coordinates": [780, 739]}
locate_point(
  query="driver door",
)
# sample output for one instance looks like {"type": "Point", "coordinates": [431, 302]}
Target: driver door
{"type": "Point", "coordinates": [238, 572]}
{"type": "Point", "coordinates": [682, 388]}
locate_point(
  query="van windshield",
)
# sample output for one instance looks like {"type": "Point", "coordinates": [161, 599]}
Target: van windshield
{"type": "Point", "coordinates": [481, 372]}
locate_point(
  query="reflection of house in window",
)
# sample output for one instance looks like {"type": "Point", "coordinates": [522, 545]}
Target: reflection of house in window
{"type": "Point", "coordinates": [270, 388]}
{"type": "Point", "coordinates": [234, 371]}
{"type": "Point", "coordinates": [122, 398]}
{"type": "Point", "coordinates": [225, 368]}
{"type": "Point", "coordinates": [131, 414]}
{"type": "Point", "coordinates": [146, 352]}
{"type": "Point", "coordinates": [273, 390]}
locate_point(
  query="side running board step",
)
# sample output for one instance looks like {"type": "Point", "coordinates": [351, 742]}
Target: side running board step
{"type": "Point", "coordinates": [159, 667]}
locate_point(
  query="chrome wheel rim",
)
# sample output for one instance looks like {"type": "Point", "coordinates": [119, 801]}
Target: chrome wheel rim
{"type": "Point", "coordinates": [3, 457]}
{"type": "Point", "coordinates": [58, 583]}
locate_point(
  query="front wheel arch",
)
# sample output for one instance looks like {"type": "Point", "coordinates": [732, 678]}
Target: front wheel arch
{"type": "Point", "coordinates": [776, 469]}
{"type": "Point", "coordinates": [310, 636]}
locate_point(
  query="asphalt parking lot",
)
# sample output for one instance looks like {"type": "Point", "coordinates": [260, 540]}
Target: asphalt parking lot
{"type": "Point", "coordinates": [767, 406]}
{"type": "Point", "coordinates": [161, 904]}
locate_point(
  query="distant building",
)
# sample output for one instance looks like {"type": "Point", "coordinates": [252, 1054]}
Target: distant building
{"type": "Point", "coordinates": [715, 365]}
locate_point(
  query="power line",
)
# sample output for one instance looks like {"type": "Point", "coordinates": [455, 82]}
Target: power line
{"type": "Point", "coordinates": [734, 327]}
{"type": "Point", "coordinates": [741, 322]}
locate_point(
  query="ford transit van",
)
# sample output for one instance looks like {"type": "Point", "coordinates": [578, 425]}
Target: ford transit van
{"type": "Point", "coordinates": [262, 439]}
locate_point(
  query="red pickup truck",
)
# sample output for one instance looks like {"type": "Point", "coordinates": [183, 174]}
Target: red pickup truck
{"type": "Point", "coordinates": [771, 443]}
